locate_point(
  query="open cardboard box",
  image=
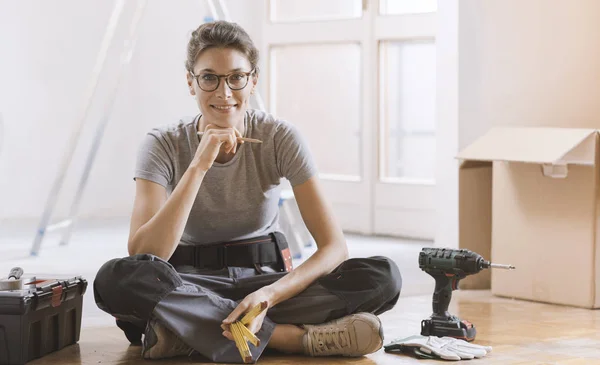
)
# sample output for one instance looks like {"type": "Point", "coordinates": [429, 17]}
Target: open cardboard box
{"type": "Point", "coordinates": [529, 197]}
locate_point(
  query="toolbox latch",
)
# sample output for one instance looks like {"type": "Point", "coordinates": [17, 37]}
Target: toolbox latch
{"type": "Point", "coordinates": [57, 295]}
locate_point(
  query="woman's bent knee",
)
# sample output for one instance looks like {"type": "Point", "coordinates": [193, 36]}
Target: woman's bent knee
{"type": "Point", "coordinates": [386, 276]}
{"type": "Point", "coordinates": [132, 286]}
{"type": "Point", "coordinates": [392, 278]}
{"type": "Point", "coordinates": [366, 284]}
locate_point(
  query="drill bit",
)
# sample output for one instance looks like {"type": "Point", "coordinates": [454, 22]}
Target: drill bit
{"type": "Point", "coordinates": [501, 266]}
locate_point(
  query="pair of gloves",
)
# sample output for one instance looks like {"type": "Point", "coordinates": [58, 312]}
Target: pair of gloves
{"type": "Point", "coordinates": [432, 347]}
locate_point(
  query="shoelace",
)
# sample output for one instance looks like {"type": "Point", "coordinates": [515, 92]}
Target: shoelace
{"type": "Point", "coordinates": [329, 339]}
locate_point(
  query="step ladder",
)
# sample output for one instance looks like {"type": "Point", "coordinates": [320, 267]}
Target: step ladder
{"type": "Point", "coordinates": [217, 9]}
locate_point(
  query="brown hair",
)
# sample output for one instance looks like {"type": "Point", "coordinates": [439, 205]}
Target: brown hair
{"type": "Point", "coordinates": [220, 34]}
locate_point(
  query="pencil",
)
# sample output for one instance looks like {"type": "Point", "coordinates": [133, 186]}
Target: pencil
{"type": "Point", "coordinates": [245, 139]}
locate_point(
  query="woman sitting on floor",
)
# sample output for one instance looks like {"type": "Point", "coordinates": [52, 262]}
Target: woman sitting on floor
{"type": "Point", "coordinates": [204, 246]}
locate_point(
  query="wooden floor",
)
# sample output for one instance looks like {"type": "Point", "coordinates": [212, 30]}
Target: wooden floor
{"type": "Point", "coordinates": [520, 332]}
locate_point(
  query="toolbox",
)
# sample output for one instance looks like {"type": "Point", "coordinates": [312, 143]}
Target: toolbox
{"type": "Point", "coordinates": [41, 317]}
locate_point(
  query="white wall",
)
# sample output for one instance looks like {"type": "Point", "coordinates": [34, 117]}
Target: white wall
{"type": "Point", "coordinates": [533, 62]}
{"type": "Point", "coordinates": [48, 50]}
{"type": "Point", "coordinates": [447, 124]}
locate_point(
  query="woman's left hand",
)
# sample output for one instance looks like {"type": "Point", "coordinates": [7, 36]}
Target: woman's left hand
{"type": "Point", "coordinates": [249, 302]}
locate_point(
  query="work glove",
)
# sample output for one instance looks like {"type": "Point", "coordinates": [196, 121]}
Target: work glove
{"type": "Point", "coordinates": [447, 348]}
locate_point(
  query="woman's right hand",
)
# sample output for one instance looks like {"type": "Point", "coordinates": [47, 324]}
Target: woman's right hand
{"type": "Point", "coordinates": [213, 140]}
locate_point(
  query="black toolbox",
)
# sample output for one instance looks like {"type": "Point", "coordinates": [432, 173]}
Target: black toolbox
{"type": "Point", "coordinates": [42, 317]}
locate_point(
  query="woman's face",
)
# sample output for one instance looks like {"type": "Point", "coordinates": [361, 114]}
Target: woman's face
{"type": "Point", "coordinates": [223, 106]}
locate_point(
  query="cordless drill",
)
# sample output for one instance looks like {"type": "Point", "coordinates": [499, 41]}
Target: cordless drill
{"type": "Point", "coordinates": [448, 267]}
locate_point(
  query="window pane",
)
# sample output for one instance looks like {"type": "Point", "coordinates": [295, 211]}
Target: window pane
{"type": "Point", "coordinates": [408, 82]}
{"type": "Point", "coordinates": [318, 88]}
{"type": "Point", "coordinates": [407, 6]}
{"type": "Point", "coordinates": [299, 10]}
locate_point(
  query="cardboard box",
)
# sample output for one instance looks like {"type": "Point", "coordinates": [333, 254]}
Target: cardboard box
{"type": "Point", "coordinates": [529, 197]}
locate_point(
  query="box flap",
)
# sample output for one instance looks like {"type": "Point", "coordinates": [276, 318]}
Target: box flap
{"type": "Point", "coordinates": [543, 145]}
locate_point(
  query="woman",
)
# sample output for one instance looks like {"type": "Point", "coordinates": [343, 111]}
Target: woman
{"type": "Point", "coordinates": [204, 246]}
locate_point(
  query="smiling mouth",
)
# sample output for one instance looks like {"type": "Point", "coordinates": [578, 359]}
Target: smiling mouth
{"type": "Point", "coordinates": [224, 107]}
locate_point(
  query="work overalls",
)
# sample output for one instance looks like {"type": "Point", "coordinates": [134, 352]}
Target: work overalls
{"type": "Point", "coordinates": [200, 286]}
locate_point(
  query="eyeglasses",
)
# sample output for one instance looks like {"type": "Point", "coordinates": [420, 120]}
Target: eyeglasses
{"type": "Point", "coordinates": [210, 82]}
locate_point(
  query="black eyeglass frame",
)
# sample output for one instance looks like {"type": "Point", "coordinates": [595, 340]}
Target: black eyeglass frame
{"type": "Point", "coordinates": [219, 77]}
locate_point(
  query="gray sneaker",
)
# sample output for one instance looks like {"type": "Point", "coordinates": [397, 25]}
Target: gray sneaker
{"type": "Point", "coordinates": [160, 342]}
{"type": "Point", "coordinates": [354, 335]}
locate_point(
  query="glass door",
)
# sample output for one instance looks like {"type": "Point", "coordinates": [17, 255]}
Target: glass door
{"type": "Point", "coordinates": [404, 189]}
{"type": "Point", "coordinates": [357, 77]}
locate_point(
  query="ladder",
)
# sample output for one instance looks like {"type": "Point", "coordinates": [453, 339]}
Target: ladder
{"type": "Point", "coordinates": [217, 9]}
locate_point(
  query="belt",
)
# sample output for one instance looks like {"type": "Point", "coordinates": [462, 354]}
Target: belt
{"type": "Point", "coordinates": [265, 250]}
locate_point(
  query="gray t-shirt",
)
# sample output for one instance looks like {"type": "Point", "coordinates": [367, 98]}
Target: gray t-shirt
{"type": "Point", "coordinates": [238, 199]}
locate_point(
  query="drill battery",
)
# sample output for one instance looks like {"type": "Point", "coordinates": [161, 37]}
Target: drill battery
{"type": "Point", "coordinates": [42, 316]}
{"type": "Point", "coordinates": [450, 326]}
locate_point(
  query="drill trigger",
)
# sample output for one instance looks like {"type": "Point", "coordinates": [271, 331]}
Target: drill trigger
{"type": "Point", "coordinates": [454, 284]}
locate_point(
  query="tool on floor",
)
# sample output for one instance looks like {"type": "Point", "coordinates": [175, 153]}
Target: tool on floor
{"type": "Point", "coordinates": [448, 267]}
{"type": "Point", "coordinates": [432, 347]}
{"type": "Point", "coordinates": [42, 316]}
{"type": "Point", "coordinates": [13, 281]}
{"type": "Point", "coordinates": [241, 334]}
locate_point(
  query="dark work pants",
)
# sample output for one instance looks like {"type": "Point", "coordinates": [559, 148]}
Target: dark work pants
{"type": "Point", "coordinates": [192, 303]}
